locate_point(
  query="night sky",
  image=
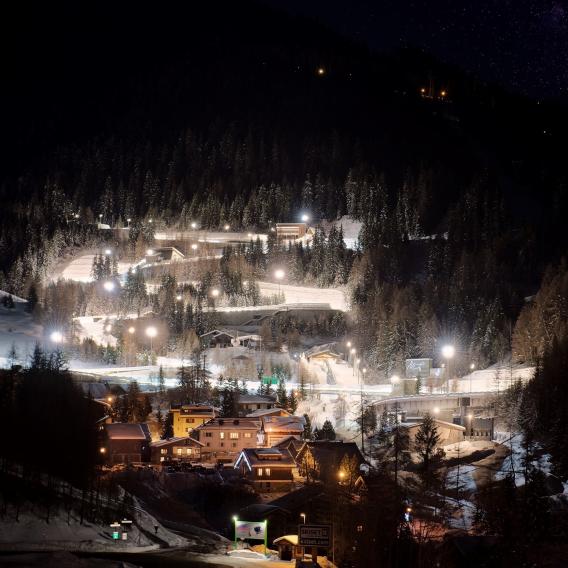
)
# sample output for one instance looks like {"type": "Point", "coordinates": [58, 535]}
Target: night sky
{"type": "Point", "coordinates": [520, 44]}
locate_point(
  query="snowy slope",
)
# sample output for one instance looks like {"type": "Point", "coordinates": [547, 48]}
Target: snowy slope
{"type": "Point", "coordinates": [17, 327]}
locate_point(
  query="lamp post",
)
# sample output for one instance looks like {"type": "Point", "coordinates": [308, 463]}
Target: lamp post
{"type": "Point", "coordinates": [235, 520]}
{"type": "Point", "coordinates": [303, 515]}
{"type": "Point", "coordinates": [448, 352]}
{"type": "Point", "coordinates": [279, 274]}
{"type": "Point", "coordinates": [471, 369]}
{"type": "Point", "coordinates": [151, 332]}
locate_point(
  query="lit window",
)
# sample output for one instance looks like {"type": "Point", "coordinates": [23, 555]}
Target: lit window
{"type": "Point", "coordinates": [222, 435]}
{"type": "Point", "coordinates": [179, 450]}
{"type": "Point", "coordinates": [163, 451]}
{"type": "Point", "coordinates": [234, 435]}
{"type": "Point", "coordinates": [267, 470]}
{"type": "Point", "coordinates": [248, 435]}
{"type": "Point", "coordinates": [259, 472]}
{"type": "Point", "coordinates": [188, 451]}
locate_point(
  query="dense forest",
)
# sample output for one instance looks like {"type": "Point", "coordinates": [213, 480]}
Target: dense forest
{"type": "Point", "coordinates": [249, 117]}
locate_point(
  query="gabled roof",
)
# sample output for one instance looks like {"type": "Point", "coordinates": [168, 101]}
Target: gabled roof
{"type": "Point", "coordinates": [167, 252]}
{"type": "Point", "coordinates": [188, 441]}
{"type": "Point", "coordinates": [324, 348]}
{"type": "Point", "coordinates": [291, 538]}
{"type": "Point", "coordinates": [265, 457]}
{"type": "Point", "coordinates": [255, 399]}
{"type": "Point", "coordinates": [284, 423]}
{"type": "Point", "coordinates": [122, 431]}
{"type": "Point", "coordinates": [217, 332]}
{"type": "Point", "coordinates": [290, 443]}
{"type": "Point", "coordinates": [268, 412]}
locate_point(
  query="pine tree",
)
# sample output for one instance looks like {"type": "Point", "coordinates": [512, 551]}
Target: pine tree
{"type": "Point", "coordinates": [168, 427]}
{"type": "Point", "coordinates": [281, 395]}
{"type": "Point", "coordinates": [292, 403]}
{"type": "Point", "coordinates": [426, 440]}
{"type": "Point", "coordinates": [327, 431]}
{"type": "Point", "coordinates": [307, 434]}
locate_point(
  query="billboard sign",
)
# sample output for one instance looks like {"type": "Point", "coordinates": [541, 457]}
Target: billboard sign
{"type": "Point", "coordinates": [418, 367]}
{"type": "Point", "coordinates": [314, 535]}
{"type": "Point", "coordinates": [248, 529]}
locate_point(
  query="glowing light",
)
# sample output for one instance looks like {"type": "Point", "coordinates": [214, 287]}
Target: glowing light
{"type": "Point", "coordinates": [364, 370]}
{"type": "Point", "coordinates": [178, 297]}
{"type": "Point", "coordinates": [108, 328]}
{"type": "Point", "coordinates": [109, 398]}
{"type": "Point", "coordinates": [321, 71]}
{"type": "Point", "coordinates": [56, 337]}
{"type": "Point", "coordinates": [249, 235]}
{"type": "Point", "coordinates": [227, 227]}
{"type": "Point", "coordinates": [235, 518]}
{"type": "Point", "coordinates": [151, 331]}
{"type": "Point", "coordinates": [149, 220]}
{"type": "Point", "coordinates": [448, 351]}
{"type": "Point", "coordinates": [149, 252]}
{"type": "Point", "coordinates": [394, 379]}
{"type": "Point", "coordinates": [470, 416]}
{"type": "Point", "coordinates": [194, 246]}
{"type": "Point", "coordinates": [436, 410]}
{"type": "Point", "coordinates": [353, 351]}
{"type": "Point", "coordinates": [443, 94]}
{"type": "Point", "coordinates": [305, 217]}
{"type": "Point", "coordinates": [102, 450]}
{"type": "Point", "coordinates": [472, 366]}
{"type": "Point", "coordinates": [194, 225]}
{"type": "Point", "coordinates": [215, 292]}
{"type": "Point", "coordinates": [279, 274]}
{"type": "Point", "coordinates": [348, 344]}
{"type": "Point", "coordinates": [422, 90]}
{"type": "Point", "coordinates": [108, 286]}
{"type": "Point", "coordinates": [108, 252]}
{"type": "Point", "coordinates": [131, 330]}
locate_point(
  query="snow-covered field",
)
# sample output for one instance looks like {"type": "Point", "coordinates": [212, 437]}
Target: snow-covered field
{"type": "Point", "coordinates": [335, 297]}
{"type": "Point", "coordinates": [351, 230]}
{"type": "Point", "coordinates": [17, 327]}
{"type": "Point", "coordinates": [496, 378]}
{"type": "Point", "coordinates": [79, 269]}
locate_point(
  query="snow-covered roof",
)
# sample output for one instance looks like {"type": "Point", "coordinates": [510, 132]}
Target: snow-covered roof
{"type": "Point", "coordinates": [291, 538]}
{"type": "Point", "coordinates": [185, 440]}
{"type": "Point", "coordinates": [122, 431]}
{"type": "Point", "coordinates": [268, 412]}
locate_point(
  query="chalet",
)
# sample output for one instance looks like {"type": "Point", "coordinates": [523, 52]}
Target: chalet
{"type": "Point", "coordinates": [225, 438]}
{"type": "Point", "coordinates": [187, 417]}
{"type": "Point", "coordinates": [126, 443]}
{"type": "Point", "coordinates": [217, 338]}
{"type": "Point", "coordinates": [325, 352]}
{"type": "Point", "coordinates": [164, 254]}
{"type": "Point", "coordinates": [449, 433]}
{"type": "Point", "coordinates": [277, 428]}
{"type": "Point", "coordinates": [290, 231]}
{"type": "Point", "coordinates": [328, 461]}
{"type": "Point", "coordinates": [248, 403]}
{"type": "Point", "coordinates": [269, 469]}
{"type": "Point", "coordinates": [179, 449]}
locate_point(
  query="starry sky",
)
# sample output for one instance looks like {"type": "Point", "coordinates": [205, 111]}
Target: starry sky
{"type": "Point", "coordinates": [520, 44]}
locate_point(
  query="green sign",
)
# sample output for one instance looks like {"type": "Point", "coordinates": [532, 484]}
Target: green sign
{"type": "Point", "coordinates": [115, 535]}
{"type": "Point", "coordinates": [271, 380]}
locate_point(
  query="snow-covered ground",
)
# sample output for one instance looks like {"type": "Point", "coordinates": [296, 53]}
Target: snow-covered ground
{"type": "Point", "coordinates": [17, 328]}
{"type": "Point", "coordinates": [335, 297]}
{"type": "Point", "coordinates": [79, 269]}
{"type": "Point", "coordinates": [351, 229]}
{"type": "Point", "coordinates": [495, 378]}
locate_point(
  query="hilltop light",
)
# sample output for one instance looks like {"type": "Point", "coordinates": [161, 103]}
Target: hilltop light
{"type": "Point", "coordinates": [305, 217]}
{"type": "Point", "coordinates": [448, 351]}
{"type": "Point", "coordinates": [321, 71]}
{"type": "Point", "coordinates": [108, 286]}
{"type": "Point", "coordinates": [56, 337]}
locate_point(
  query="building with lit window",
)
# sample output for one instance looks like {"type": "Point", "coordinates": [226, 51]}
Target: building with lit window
{"type": "Point", "coordinates": [268, 469]}
{"type": "Point", "coordinates": [187, 417]}
{"type": "Point", "coordinates": [183, 449]}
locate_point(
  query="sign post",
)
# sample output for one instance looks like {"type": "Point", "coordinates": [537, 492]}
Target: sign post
{"type": "Point", "coordinates": [115, 531]}
{"type": "Point", "coordinates": [315, 536]}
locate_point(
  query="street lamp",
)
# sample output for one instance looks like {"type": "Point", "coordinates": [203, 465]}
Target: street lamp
{"type": "Point", "coordinates": [108, 252]}
{"type": "Point", "coordinates": [178, 297]}
{"type": "Point", "coordinates": [108, 286]}
{"type": "Point", "coordinates": [193, 247]}
{"type": "Point", "coordinates": [56, 337]}
{"type": "Point", "coordinates": [108, 328]}
{"type": "Point", "coordinates": [215, 293]}
{"type": "Point", "coordinates": [131, 329]}
{"type": "Point", "coordinates": [194, 225]}
{"type": "Point", "coordinates": [279, 274]}
{"type": "Point", "coordinates": [235, 520]}
{"type": "Point", "coordinates": [149, 252]}
{"type": "Point", "coordinates": [305, 217]}
{"type": "Point", "coordinates": [303, 515]}
{"type": "Point", "coordinates": [227, 227]}
{"type": "Point", "coordinates": [448, 351]}
{"type": "Point", "coordinates": [436, 410]}
{"type": "Point", "coordinates": [151, 332]}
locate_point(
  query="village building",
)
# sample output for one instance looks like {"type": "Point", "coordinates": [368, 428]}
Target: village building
{"type": "Point", "coordinates": [247, 403]}
{"type": "Point", "coordinates": [324, 352]}
{"type": "Point", "coordinates": [290, 231]}
{"type": "Point", "coordinates": [179, 449]}
{"type": "Point", "coordinates": [164, 254]}
{"type": "Point", "coordinates": [217, 338]}
{"type": "Point", "coordinates": [126, 443]}
{"type": "Point", "coordinates": [277, 428]}
{"type": "Point", "coordinates": [268, 469]}
{"type": "Point", "coordinates": [224, 438]}
{"type": "Point", "coordinates": [291, 443]}
{"type": "Point", "coordinates": [187, 417]}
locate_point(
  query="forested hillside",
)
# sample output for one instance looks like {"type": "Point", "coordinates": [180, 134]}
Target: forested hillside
{"type": "Point", "coordinates": [163, 114]}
